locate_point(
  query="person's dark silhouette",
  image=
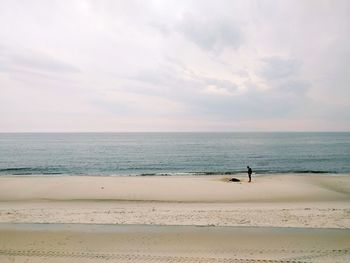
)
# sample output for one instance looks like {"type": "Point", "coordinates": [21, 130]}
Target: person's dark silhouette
{"type": "Point", "coordinates": [249, 173]}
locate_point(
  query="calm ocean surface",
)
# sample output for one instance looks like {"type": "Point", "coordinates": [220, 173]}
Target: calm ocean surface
{"type": "Point", "coordinates": [172, 153]}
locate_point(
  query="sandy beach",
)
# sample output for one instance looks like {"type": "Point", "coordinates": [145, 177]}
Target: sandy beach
{"type": "Point", "coordinates": [309, 213]}
{"type": "Point", "coordinates": [276, 201]}
{"type": "Point", "coordinates": [140, 243]}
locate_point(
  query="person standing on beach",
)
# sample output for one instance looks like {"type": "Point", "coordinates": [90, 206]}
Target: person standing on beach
{"type": "Point", "coordinates": [249, 173]}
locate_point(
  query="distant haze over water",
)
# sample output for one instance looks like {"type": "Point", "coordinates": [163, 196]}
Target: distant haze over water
{"type": "Point", "coordinates": [173, 153]}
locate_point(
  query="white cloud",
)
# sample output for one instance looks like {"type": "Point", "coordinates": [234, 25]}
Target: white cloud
{"type": "Point", "coordinates": [215, 90]}
{"type": "Point", "coordinates": [211, 35]}
{"type": "Point", "coordinates": [204, 65]}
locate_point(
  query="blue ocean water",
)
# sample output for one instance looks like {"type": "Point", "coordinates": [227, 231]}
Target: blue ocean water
{"type": "Point", "coordinates": [172, 153]}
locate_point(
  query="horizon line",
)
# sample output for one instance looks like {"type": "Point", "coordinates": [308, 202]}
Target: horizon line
{"type": "Point", "coordinates": [248, 131]}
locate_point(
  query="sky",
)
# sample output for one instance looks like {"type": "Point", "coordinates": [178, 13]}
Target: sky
{"type": "Point", "coordinates": [182, 65]}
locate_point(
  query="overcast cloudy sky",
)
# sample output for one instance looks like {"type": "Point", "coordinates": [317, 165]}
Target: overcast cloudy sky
{"type": "Point", "coordinates": [174, 65]}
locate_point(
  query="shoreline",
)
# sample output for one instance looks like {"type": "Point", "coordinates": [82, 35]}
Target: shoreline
{"type": "Point", "coordinates": [181, 174]}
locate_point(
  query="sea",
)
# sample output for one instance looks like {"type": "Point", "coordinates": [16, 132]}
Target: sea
{"type": "Point", "coordinates": [167, 154]}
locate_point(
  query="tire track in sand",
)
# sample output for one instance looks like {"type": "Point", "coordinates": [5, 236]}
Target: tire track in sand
{"type": "Point", "coordinates": [135, 257]}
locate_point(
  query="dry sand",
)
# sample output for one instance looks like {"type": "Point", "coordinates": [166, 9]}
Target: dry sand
{"type": "Point", "coordinates": [316, 210]}
{"type": "Point", "coordinates": [276, 188]}
{"type": "Point", "coordinates": [128, 243]}
{"type": "Point", "coordinates": [279, 200]}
